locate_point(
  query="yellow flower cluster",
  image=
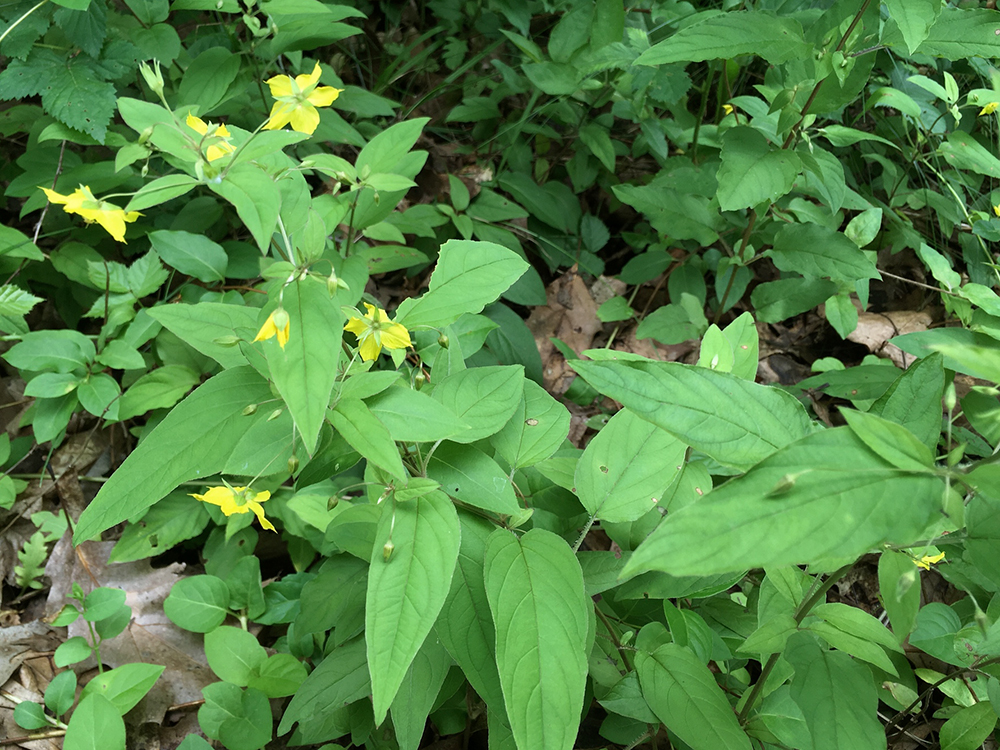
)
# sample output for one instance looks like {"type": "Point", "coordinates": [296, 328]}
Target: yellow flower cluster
{"type": "Point", "coordinates": [296, 100]}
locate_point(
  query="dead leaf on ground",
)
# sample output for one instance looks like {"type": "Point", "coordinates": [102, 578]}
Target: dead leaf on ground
{"type": "Point", "coordinates": [150, 638]}
{"type": "Point", "coordinates": [875, 329]}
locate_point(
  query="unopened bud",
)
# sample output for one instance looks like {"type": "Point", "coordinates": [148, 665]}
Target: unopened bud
{"type": "Point", "coordinates": [387, 550]}
{"type": "Point", "coordinates": [419, 380]}
{"type": "Point", "coordinates": [334, 282]}
{"type": "Point", "coordinates": [274, 415]}
{"type": "Point", "coordinates": [293, 465]}
{"type": "Point", "coordinates": [227, 340]}
{"type": "Point", "coordinates": [950, 398]}
{"type": "Point", "coordinates": [280, 318]}
{"type": "Point", "coordinates": [144, 171]}
{"type": "Point", "coordinates": [249, 409]}
{"type": "Point", "coordinates": [145, 135]}
{"type": "Point", "coordinates": [152, 76]}
{"type": "Point", "coordinates": [443, 341]}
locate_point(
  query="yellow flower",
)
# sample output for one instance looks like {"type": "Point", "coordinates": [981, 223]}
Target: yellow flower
{"type": "Point", "coordinates": [926, 561]}
{"type": "Point", "coordinates": [217, 137]}
{"type": "Point", "coordinates": [989, 109]}
{"type": "Point", "coordinates": [996, 210]}
{"type": "Point", "coordinates": [375, 330]}
{"type": "Point", "coordinates": [728, 108]}
{"type": "Point", "coordinates": [296, 101]}
{"type": "Point", "coordinates": [238, 500]}
{"type": "Point", "coordinates": [81, 201]}
{"type": "Point", "coordinates": [277, 324]}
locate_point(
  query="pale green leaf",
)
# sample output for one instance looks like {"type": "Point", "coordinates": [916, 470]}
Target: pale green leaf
{"type": "Point", "coordinates": [482, 397]}
{"type": "Point", "coordinates": [914, 18]}
{"type": "Point", "coordinates": [536, 594]}
{"type": "Point", "coordinates": [753, 172]}
{"type": "Point", "coordinates": [407, 587]}
{"type": "Point", "coordinates": [735, 421]}
{"type": "Point", "coordinates": [535, 431]}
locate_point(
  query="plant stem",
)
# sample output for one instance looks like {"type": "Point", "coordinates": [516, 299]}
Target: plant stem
{"type": "Point", "coordinates": [800, 615]}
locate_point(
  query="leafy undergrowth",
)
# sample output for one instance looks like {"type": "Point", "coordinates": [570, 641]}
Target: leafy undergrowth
{"type": "Point", "coordinates": [499, 375]}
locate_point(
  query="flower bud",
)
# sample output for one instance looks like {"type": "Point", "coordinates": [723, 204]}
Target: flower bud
{"type": "Point", "coordinates": [950, 398]}
{"type": "Point", "coordinates": [280, 318]}
{"type": "Point", "coordinates": [145, 170]}
{"type": "Point", "coordinates": [145, 135]}
{"type": "Point", "coordinates": [274, 415]}
{"type": "Point", "coordinates": [387, 550]}
{"type": "Point", "coordinates": [419, 380]}
{"type": "Point", "coordinates": [293, 465]}
{"type": "Point", "coordinates": [227, 340]}
{"type": "Point", "coordinates": [152, 76]}
{"type": "Point", "coordinates": [249, 409]}
{"type": "Point", "coordinates": [443, 341]}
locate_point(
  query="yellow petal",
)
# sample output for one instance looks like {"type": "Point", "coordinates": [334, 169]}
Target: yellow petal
{"type": "Point", "coordinates": [996, 209]}
{"type": "Point", "coordinates": [307, 81]}
{"type": "Point", "coordinates": [989, 109]}
{"type": "Point", "coordinates": [324, 96]}
{"type": "Point", "coordinates": [370, 348]}
{"type": "Point", "coordinates": [283, 338]}
{"type": "Point", "coordinates": [268, 330]}
{"type": "Point", "coordinates": [304, 119]}
{"type": "Point", "coordinates": [113, 222]}
{"type": "Point", "coordinates": [281, 114]}
{"type": "Point", "coordinates": [254, 506]}
{"type": "Point", "coordinates": [53, 196]}
{"type": "Point", "coordinates": [196, 124]}
{"type": "Point", "coordinates": [280, 86]}
{"type": "Point", "coordinates": [356, 326]}
{"type": "Point", "coordinates": [395, 336]}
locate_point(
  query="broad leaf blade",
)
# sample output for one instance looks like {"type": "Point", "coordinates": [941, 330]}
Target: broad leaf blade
{"type": "Point", "coordinates": [684, 695]}
{"type": "Point", "coordinates": [407, 590]}
{"type": "Point", "coordinates": [305, 370]}
{"type": "Point", "coordinates": [536, 594]}
{"type": "Point", "coordinates": [198, 435]}
{"type": "Point", "coordinates": [824, 497]}
{"type": "Point", "coordinates": [736, 422]}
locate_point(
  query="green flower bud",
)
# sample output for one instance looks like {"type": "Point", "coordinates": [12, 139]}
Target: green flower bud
{"type": "Point", "coordinates": [293, 465]}
{"type": "Point", "coordinates": [249, 409]}
{"type": "Point", "coordinates": [280, 318]}
{"type": "Point", "coordinates": [227, 340]}
{"type": "Point", "coordinates": [152, 76]}
{"type": "Point", "coordinates": [443, 341]}
{"type": "Point", "coordinates": [274, 415]}
{"type": "Point", "coordinates": [387, 550]}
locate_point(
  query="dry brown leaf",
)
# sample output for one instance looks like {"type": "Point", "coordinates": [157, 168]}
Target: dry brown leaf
{"type": "Point", "coordinates": [875, 329]}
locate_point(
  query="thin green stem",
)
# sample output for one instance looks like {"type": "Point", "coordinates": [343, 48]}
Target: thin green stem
{"type": "Point", "coordinates": [19, 20]}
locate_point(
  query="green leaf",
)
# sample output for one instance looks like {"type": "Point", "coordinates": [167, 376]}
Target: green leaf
{"type": "Point", "coordinates": [198, 435]}
{"type": "Point", "coordinates": [192, 254]}
{"type": "Point", "coordinates": [280, 676]}
{"type": "Point", "coordinates": [535, 431]}
{"type": "Point", "coordinates": [598, 140]}
{"type": "Point", "coordinates": [418, 693]}
{"type": "Point", "coordinates": [901, 599]}
{"type": "Point", "coordinates": [469, 275]}
{"type": "Point", "coordinates": [626, 467]}
{"type": "Point", "coordinates": [249, 726]}
{"type": "Point", "coordinates": [914, 18]}
{"type": "Point", "coordinates": [956, 35]}
{"type": "Point", "coordinates": [407, 587]}
{"type": "Point", "coordinates": [99, 394]}
{"type": "Point", "coordinates": [256, 198]}
{"type": "Point", "coordinates": [146, 275]}
{"type": "Point", "coordinates": [71, 89]}
{"type": "Point", "coordinates": [56, 351]}
{"type": "Point", "coordinates": [684, 695]}
{"type": "Point", "coordinates": [96, 725]}
{"type": "Point", "coordinates": [536, 595]}
{"type": "Point", "coordinates": [412, 416]}
{"type": "Point", "coordinates": [367, 435]}
{"type": "Point", "coordinates": [60, 695]}
{"type": "Point", "coordinates": [969, 728]}
{"type": "Point", "coordinates": [962, 151]}
{"type": "Point", "coordinates": [199, 603]}
{"type": "Point", "coordinates": [824, 497]}
{"type": "Point", "coordinates": [775, 301]}
{"type": "Point", "coordinates": [233, 654]}
{"type": "Point", "coordinates": [814, 250]}
{"type": "Point", "coordinates": [469, 475]}
{"type": "Point", "coordinates": [159, 389]}
{"type": "Point", "coordinates": [836, 695]}
{"type": "Point", "coordinates": [736, 422]}
{"type": "Point", "coordinates": [126, 685]}
{"type": "Point", "coordinates": [386, 149]}
{"type": "Point", "coordinates": [174, 519]}
{"type": "Point", "coordinates": [776, 39]}
{"type": "Point", "coordinates": [72, 651]}
{"type": "Point", "coordinates": [51, 384]}
{"type": "Point", "coordinates": [340, 679]}
{"type": "Point", "coordinates": [465, 624]}
{"type": "Point", "coordinates": [207, 78]}
{"type": "Point", "coordinates": [204, 324]}
{"type": "Point", "coordinates": [609, 23]}
{"type": "Point", "coordinates": [484, 398]}
{"type": "Point", "coordinates": [673, 212]}
{"type": "Point", "coordinates": [751, 172]}
{"type": "Point", "coordinates": [30, 715]}
{"type": "Point", "coordinates": [14, 301]}
{"type": "Point", "coordinates": [149, 11]}
{"type": "Point", "coordinates": [914, 399]}
{"type": "Point", "coordinates": [894, 443]}
{"type": "Point", "coordinates": [15, 244]}
{"type": "Point", "coordinates": [305, 370]}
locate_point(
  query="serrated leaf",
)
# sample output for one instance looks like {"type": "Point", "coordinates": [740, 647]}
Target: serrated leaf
{"type": "Point", "coordinates": [407, 587]}
{"type": "Point", "coordinates": [536, 595]}
{"type": "Point", "coordinates": [16, 301]}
